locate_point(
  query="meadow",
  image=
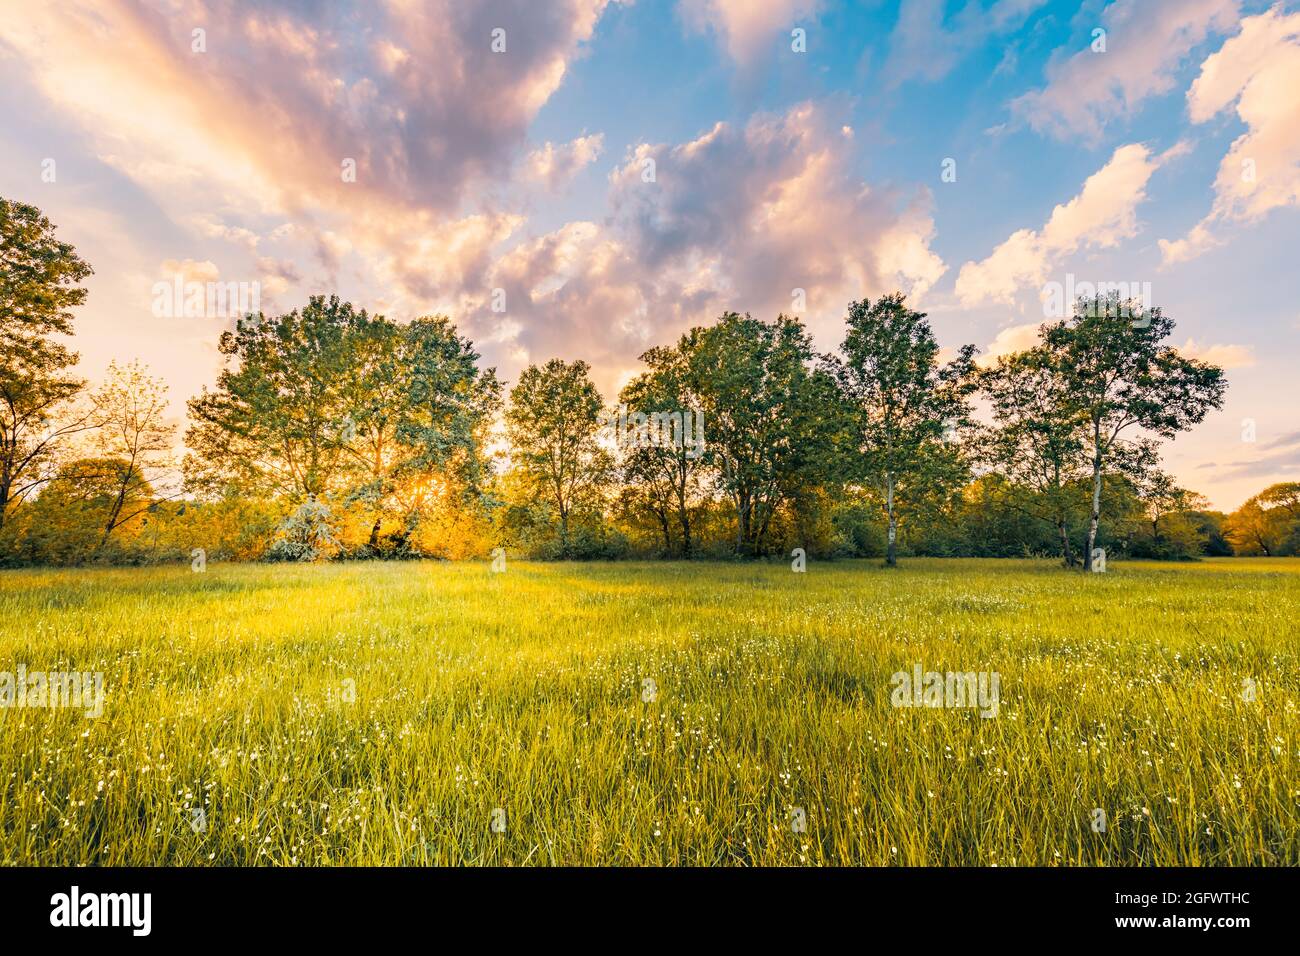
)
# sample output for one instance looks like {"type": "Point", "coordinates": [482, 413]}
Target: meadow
{"type": "Point", "coordinates": [655, 714]}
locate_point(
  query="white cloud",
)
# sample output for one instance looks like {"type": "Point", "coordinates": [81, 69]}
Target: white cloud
{"type": "Point", "coordinates": [1014, 338]}
{"type": "Point", "coordinates": [189, 270]}
{"type": "Point", "coordinates": [1146, 42]}
{"type": "Point", "coordinates": [1258, 70]}
{"type": "Point", "coordinates": [748, 29]}
{"type": "Point", "coordinates": [555, 166]}
{"type": "Point", "coordinates": [1102, 215]}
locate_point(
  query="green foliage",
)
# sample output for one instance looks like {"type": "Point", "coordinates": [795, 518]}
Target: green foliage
{"type": "Point", "coordinates": [552, 422]}
{"type": "Point", "coordinates": [899, 403]}
{"type": "Point", "coordinates": [771, 417]}
{"type": "Point", "coordinates": [40, 280]}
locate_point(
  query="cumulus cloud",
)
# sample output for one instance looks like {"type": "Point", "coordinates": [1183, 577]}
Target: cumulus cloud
{"type": "Point", "coordinates": [281, 101]}
{"type": "Point", "coordinates": [740, 217]}
{"type": "Point", "coordinates": [1258, 70]}
{"type": "Point", "coordinates": [1146, 42]}
{"type": "Point", "coordinates": [555, 166]}
{"type": "Point", "coordinates": [926, 46]}
{"type": "Point", "coordinates": [1012, 339]}
{"type": "Point", "coordinates": [1102, 215]}
{"type": "Point", "coordinates": [748, 29]}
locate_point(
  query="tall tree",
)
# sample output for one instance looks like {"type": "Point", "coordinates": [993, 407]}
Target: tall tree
{"type": "Point", "coordinates": [40, 280]}
{"type": "Point", "coordinates": [769, 416]}
{"type": "Point", "coordinates": [901, 401]}
{"type": "Point", "coordinates": [666, 475]}
{"type": "Point", "coordinates": [1036, 438]}
{"type": "Point", "coordinates": [1121, 377]}
{"type": "Point", "coordinates": [133, 431]}
{"type": "Point", "coordinates": [552, 423]}
{"type": "Point", "coordinates": [277, 422]}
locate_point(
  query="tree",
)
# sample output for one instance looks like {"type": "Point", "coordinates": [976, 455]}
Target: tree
{"type": "Point", "coordinates": [417, 409]}
{"type": "Point", "coordinates": [1036, 440]}
{"type": "Point", "coordinates": [66, 521]}
{"type": "Point", "coordinates": [277, 422]}
{"type": "Point", "coordinates": [39, 286]}
{"type": "Point", "coordinates": [768, 413]}
{"type": "Point", "coordinates": [1284, 495]}
{"type": "Point", "coordinates": [665, 476]}
{"type": "Point", "coordinates": [552, 421]}
{"type": "Point", "coordinates": [901, 402]}
{"type": "Point", "coordinates": [1167, 508]}
{"type": "Point", "coordinates": [1120, 376]}
{"type": "Point", "coordinates": [132, 430]}
{"type": "Point", "coordinates": [1254, 529]}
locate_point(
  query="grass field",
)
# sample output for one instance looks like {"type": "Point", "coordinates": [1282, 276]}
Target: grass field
{"type": "Point", "coordinates": [381, 713]}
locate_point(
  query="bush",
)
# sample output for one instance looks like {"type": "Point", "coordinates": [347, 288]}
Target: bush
{"type": "Point", "coordinates": [306, 535]}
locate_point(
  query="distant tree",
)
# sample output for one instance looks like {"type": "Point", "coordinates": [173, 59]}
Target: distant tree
{"type": "Point", "coordinates": [552, 422]}
{"type": "Point", "coordinates": [769, 416]}
{"type": "Point", "coordinates": [1284, 495]}
{"type": "Point", "coordinates": [901, 402]}
{"type": "Point", "coordinates": [133, 429]}
{"type": "Point", "coordinates": [1036, 438]}
{"type": "Point", "coordinates": [1167, 507]}
{"type": "Point", "coordinates": [1254, 529]}
{"type": "Point", "coordinates": [1121, 376]}
{"type": "Point", "coordinates": [39, 286]}
{"type": "Point", "coordinates": [66, 522]}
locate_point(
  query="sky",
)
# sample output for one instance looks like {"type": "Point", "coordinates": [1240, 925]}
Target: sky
{"type": "Point", "coordinates": [584, 179]}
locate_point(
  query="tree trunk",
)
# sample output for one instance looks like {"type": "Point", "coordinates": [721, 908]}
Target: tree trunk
{"type": "Point", "coordinates": [1066, 555]}
{"type": "Point", "coordinates": [1095, 517]}
{"type": "Point", "coordinates": [891, 550]}
{"type": "Point", "coordinates": [374, 532]}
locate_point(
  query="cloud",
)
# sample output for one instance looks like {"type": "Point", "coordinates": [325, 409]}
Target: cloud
{"type": "Point", "coordinates": [748, 29]}
{"type": "Point", "coordinates": [555, 166]}
{"type": "Point", "coordinates": [269, 115]}
{"type": "Point", "coordinates": [1225, 356]}
{"type": "Point", "coordinates": [923, 46]}
{"type": "Point", "coordinates": [1146, 42]}
{"type": "Point", "coordinates": [738, 218]}
{"type": "Point", "coordinates": [1258, 70]}
{"type": "Point", "coordinates": [189, 270]}
{"type": "Point", "coordinates": [1281, 459]}
{"type": "Point", "coordinates": [1102, 215]}
{"type": "Point", "coordinates": [1014, 338]}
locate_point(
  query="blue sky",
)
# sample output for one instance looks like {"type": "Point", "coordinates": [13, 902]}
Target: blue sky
{"type": "Point", "coordinates": [524, 170]}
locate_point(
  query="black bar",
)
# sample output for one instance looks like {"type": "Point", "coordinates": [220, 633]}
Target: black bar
{"type": "Point", "coordinates": [332, 906]}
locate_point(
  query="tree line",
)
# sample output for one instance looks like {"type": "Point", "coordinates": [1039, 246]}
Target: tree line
{"type": "Point", "coordinates": [334, 433]}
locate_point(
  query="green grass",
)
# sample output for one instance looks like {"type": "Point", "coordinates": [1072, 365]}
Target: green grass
{"type": "Point", "coordinates": [524, 691]}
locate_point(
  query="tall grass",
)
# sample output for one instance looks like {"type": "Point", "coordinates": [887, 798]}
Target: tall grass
{"type": "Point", "coordinates": [232, 691]}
